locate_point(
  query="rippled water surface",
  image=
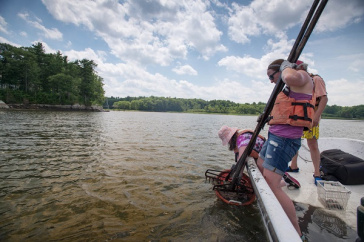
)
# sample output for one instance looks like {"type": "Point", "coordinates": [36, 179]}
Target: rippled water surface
{"type": "Point", "coordinates": [129, 176]}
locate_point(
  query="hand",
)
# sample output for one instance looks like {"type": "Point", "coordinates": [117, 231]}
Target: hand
{"type": "Point", "coordinates": [259, 118]}
{"type": "Point", "coordinates": [316, 120]}
{"type": "Point", "coordinates": [286, 64]}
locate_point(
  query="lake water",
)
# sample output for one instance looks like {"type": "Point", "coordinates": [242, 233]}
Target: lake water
{"type": "Point", "coordinates": [124, 176]}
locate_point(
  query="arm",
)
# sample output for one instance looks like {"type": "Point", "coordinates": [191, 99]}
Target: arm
{"type": "Point", "coordinates": [320, 91]}
{"type": "Point", "coordinates": [294, 78]}
{"type": "Point", "coordinates": [320, 109]}
{"type": "Point", "coordinates": [241, 151]}
{"type": "Point", "coordinates": [297, 80]}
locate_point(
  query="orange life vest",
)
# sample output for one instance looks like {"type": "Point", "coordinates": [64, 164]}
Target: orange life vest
{"type": "Point", "coordinates": [254, 152]}
{"type": "Point", "coordinates": [287, 110]}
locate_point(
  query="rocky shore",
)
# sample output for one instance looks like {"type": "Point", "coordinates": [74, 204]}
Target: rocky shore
{"type": "Point", "coordinates": [49, 107]}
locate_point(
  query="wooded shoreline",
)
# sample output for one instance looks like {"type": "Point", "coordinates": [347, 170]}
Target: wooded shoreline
{"type": "Point", "coordinates": [96, 108]}
{"type": "Point", "coordinates": [76, 107]}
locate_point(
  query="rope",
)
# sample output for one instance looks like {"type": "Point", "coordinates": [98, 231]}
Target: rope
{"type": "Point", "coordinates": [307, 149]}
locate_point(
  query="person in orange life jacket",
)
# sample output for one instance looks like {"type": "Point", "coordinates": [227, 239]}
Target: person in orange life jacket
{"type": "Point", "coordinates": [312, 135]}
{"type": "Point", "coordinates": [284, 138]}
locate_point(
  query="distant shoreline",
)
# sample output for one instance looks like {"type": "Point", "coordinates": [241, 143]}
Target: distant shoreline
{"type": "Point", "coordinates": [95, 108]}
{"type": "Point", "coordinates": [76, 107]}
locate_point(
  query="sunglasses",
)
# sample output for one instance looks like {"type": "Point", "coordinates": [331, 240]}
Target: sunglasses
{"type": "Point", "coordinates": [271, 77]}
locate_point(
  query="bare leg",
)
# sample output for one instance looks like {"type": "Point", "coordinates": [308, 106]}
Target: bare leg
{"type": "Point", "coordinates": [315, 155]}
{"type": "Point", "coordinates": [294, 164]}
{"type": "Point", "coordinates": [260, 164]}
{"type": "Point", "coordinates": [273, 179]}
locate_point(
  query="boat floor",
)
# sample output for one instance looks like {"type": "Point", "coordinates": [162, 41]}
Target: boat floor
{"type": "Point", "coordinates": [308, 194]}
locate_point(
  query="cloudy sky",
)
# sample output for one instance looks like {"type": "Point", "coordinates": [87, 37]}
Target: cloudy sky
{"type": "Point", "coordinates": [217, 49]}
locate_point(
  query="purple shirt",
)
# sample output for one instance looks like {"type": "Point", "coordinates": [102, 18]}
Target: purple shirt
{"type": "Point", "coordinates": [286, 130]}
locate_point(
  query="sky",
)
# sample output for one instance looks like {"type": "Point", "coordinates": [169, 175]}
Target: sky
{"type": "Point", "coordinates": [217, 49]}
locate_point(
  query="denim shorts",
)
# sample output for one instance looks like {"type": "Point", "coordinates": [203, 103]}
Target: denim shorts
{"type": "Point", "coordinates": [277, 152]}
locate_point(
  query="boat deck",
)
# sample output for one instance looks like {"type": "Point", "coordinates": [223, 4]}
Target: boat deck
{"type": "Point", "coordinates": [279, 228]}
{"type": "Point", "coordinates": [307, 194]}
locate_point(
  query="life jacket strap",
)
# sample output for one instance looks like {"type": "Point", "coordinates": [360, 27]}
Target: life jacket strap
{"type": "Point", "coordinates": [295, 117]}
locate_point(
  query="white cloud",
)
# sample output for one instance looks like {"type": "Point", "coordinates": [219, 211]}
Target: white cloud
{"type": "Point", "coordinates": [3, 25]}
{"type": "Point", "coordinates": [245, 65]}
{"type": "Point", "coordinates": [3, 40]}
{"type": "Point", "coordinates": [46, 47]}
{"type": "Point", "coordinates": [256, 67]}
{"type": "Point", "coordinates": [339, 14]}
{"type": "Point", "coordinates": [69, 44]}
{"type": "Point", "coordinates": [130, 80]}
{"type": "Point", "coordinates": [52, 33]}
{"type": "Point", "coordinates": [354, 62]}
{"type": "Point", "coordinates": [337, 91]}
{"type": "Point", "coordinates": [262, 18]}
{"type": "Point", "coordinates": [146, 31]}
{"type": "Point", "coordinates": [139, 82]}
{"type": "Point", "coordinates": [48, 33]}
{"type": "Point", "coordinates": [239, 92]}
{"type": "Point", "coordinates": [185, 70]}
{"type": "Point", "coordinates": [88, 53]}
{"type": "Point", "coordinates": [357, 65]}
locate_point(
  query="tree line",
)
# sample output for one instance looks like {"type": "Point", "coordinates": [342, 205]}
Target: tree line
{"type": "Point", "coordinates": [168, 104]}
{"type": "Point", "coordinates": [29, 75]}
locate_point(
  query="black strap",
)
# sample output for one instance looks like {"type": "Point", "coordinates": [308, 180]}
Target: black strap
{"type": "Point", "coordinates": [305, 106]}
{"type": "Point", "coordinates": [295, 117]}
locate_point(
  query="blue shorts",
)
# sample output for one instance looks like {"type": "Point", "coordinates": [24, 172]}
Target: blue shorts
{"type": "Point", "coordinates": [277, 152]}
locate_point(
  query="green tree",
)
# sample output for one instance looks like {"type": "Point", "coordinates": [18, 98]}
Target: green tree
{"type": "Point", "coordinates": [122, 105]}
{"type": "Point", "coordinates": [346, 112]}
{"type": "Point", "coordinates": [136, 105]}
{"type": "Point", "coordinates": [358, 111]}
{"type": "Point", "coordinates": [91, 86]}
{"type": "Point", "coordinates": [65, 87]}
{"type": "Point", "coordinates": [40, 58]}
{"type": "Point", "coordinates": [31, 74]}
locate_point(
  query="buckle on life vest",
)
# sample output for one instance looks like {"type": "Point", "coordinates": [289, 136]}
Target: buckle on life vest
{"type": "Point", "coordinates": [286, 91]}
